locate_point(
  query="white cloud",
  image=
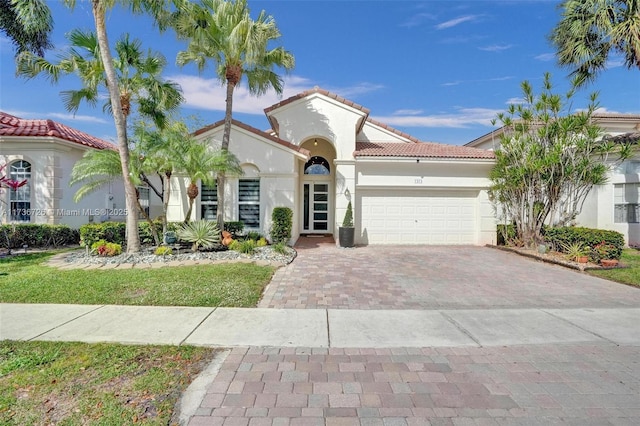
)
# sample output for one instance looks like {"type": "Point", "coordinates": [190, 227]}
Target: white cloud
{"type": "Point", "coordinates": [463, 117]}
{"type": "Point", "coordinates": [458, 82]}
{"type": "Point", "coordinates": [545, 57]}
{"type": "Point", "coordinates": [496, 47]}
{"type": "Point", "coordinates": [417, 20]}
{"type": "Point", "coordinates": [514, 101]}
{"type": "Point", "coordinates": [457, 21]}
{"type": "Point", "coordinates": [408, 112]}
{"type": "Point", "coordinates": [72, 117]}
{"type": "Point", "coordinates": [209, 93]}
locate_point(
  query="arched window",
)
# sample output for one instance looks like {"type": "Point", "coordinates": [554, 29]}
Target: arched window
{"type": "Point", "coordinates": [317, 166]}
{"type": "Point", "coordinates": [20, 199]}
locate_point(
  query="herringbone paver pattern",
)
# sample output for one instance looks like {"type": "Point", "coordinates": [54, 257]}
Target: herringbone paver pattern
{"type": "Point", "coordinates": [524, 385]}
{"type": "Point", "coordinates": [434, 277]}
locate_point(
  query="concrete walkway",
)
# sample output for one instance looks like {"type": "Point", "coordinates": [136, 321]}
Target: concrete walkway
{"type": "Point", "coordinates": [371, 367]}
{"type": "Point", "coordinates": [318, 328]}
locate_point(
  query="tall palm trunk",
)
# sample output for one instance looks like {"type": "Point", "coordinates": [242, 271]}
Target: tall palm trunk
{"type": "Point", "coordinates": [226, 137]}
{"type": "Point", "coordinates": [133, 239]}
{"type": "Point", "coordinates": [192, 193]}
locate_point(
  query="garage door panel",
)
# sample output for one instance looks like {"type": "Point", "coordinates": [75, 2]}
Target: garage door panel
{"type": "Point", "coordinates": [419, 217]}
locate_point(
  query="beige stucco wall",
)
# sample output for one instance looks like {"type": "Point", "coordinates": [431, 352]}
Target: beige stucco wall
{"type": "Point", "coordinates": [51, 196]}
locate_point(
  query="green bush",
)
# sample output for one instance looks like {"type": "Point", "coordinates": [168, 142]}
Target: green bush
{"type": "Point", "coordinates": [163, 251]}
{"type": "Point", "coordinates": [246, 246]}
{"type": "Point", "coordinates": [282, 221]}
{"type": "Point", "coordinates": [506, 234]}
{"type": "Point", "coordinates": [37, 235]}
{"type": "Point", "coordinates": [569, 235]}
{"type": "Point", "coordinates": [234, 228]}
{"type": "Point", "coordinates": [113, 232]}
{"type": "Point", "coordinates": [144, 230]}
{"type": "Point", "coordinates": [253, 235]}
{"type": "Point", "coordinates": [348, 217]}
{"type": "Point", "coordinates": [105, 248]}
{"type": "Point", "coordinates": [280, 248]}
{"type": "Point", "coordinates": [261, 242]}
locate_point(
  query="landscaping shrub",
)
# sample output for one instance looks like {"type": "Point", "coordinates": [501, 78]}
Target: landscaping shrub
{"type": "Point", "coordinates": [280, 248]}
{"type": "Point", "coordinates": [506, 234]}
{"type": "Point", "coordinates": [261, 242]}
{"type": "Point", "coordinates": [246, 246]}
{"type": "Point", "coordinates": [144, 230]}
{"type": "Point", "coordinates": [105, 248]}
{"type": "Point", "coordinates": [37, 235]}
{"type": "Point", "coordinates": [202, 233]}
{"type": "Point", "coordinates": [253, 235]}
{"type": "Point", "coordinates": [163, 251]}
{"type": "Point", "coordinates": [234, 228]}
{"type": "Point", "coordinates": [113, 232]}
{"type": "Point", "coordinates": [282, 218]}
{"type": "Point", "coordinates": [569, 235]}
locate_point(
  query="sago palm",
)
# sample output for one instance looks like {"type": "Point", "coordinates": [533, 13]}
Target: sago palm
{"type": "Point", "coordinates": [223, 32]}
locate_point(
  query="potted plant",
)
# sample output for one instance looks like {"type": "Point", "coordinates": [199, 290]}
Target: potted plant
{"type": "Point", "coordinates": [577, 252]}
{"type": "Point", "coordinates": [346, 233]}
{"type": "Point", "coordinates": [606, 253]}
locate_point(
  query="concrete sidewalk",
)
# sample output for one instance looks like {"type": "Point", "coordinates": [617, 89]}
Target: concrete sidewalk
{"type": "Point", "coordinates": [318, 328]}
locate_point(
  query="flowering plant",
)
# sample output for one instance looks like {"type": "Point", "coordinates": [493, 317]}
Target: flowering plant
{"type": "Point", "coordinates": [605, 250]}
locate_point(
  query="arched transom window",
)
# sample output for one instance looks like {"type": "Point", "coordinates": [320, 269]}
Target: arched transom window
{"type": "Point", "coordinates": [317, 166]}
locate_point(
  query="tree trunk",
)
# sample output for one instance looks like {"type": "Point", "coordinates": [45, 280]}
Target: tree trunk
{"type": "Point", "coordinates": [133, 238]}
{"type": "Point", "coordinates": [226, 137]}
{"type": "Point", "coordinates": [166, 193]}
{"type": "Point", "coordinates": [192, 193]}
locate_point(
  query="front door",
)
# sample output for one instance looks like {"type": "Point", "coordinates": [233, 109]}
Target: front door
{"type": "Point", "coordinates": [316, 217]}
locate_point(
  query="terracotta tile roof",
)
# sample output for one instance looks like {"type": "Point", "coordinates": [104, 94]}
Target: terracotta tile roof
{"type": "Point", "coordinates": [391, 129]}
{"type": "Point", "coordinates": [322, 92]}
{"type": "Point", "coordinates": [11, 125]}
{"type": "Point", "coordinates": [420, 150]}
{"type": "Point", "coordinates": [630, 117]}
{"type": "Point", "coordinates": [633, 137]}
{"type": "Point", "coordinates": [257, 132]}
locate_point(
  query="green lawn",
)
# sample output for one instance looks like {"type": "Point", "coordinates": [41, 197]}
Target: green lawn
{"type": "Point", "coordinates": [43, 383]}
{"type": "Point", "coordinates": [26, 279]}
{"type": "Point", "coordinates": [629, 275]}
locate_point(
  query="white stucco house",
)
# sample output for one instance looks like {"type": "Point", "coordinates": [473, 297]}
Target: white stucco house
{"type": "Point", "coordinates": [615, 205]}
{"type": "Point", "coordinates": [44, 152]}
{"type": "Point", "coordinates": [324, 151]}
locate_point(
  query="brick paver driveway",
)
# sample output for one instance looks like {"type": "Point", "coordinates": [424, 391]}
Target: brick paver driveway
{"type": "Point", "coordinates": [435, 277]}
{"type": "Point", "coordinates": [535, 384]}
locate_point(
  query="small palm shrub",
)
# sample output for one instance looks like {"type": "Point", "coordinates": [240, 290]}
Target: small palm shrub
{"type": "Point", "coordinates": [201, 233]}
{"type": "Point", "coordinates": [105, 248]}
{"type": "Point", "coordinates": [163, 251]}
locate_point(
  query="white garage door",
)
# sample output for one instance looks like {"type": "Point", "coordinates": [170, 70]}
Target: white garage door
{"type": "Point", "coordinates": [419, 217]}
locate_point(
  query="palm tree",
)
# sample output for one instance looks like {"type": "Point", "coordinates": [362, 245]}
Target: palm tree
{"type": "Point", "coordinates": [137, 80]}
{"type": "Point", "coordinates": [173, 150]}
{"type": "Point", "coordinates": [224, 33]}
{"type": "Point", "coordinates": [28, 24]}
{"type": "Point", "coordinates": [591, 30]}
{"type": "Point", "coordinates": [100, 167]}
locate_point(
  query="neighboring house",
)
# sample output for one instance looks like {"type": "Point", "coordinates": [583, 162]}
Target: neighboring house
{"type": "Point", "coordinates": [44, 152]}
{"type": "Point", "coordinates": [615, 205]}
{"type": "Point", "coordinates": [325, 151]}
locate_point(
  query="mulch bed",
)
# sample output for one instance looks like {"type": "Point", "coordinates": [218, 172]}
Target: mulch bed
{"type": "Point", "coordinates": [553, 257]}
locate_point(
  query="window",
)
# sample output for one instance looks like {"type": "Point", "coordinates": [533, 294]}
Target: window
{"type": "Point", "coordinates": [143, 197]}
{"type": "Point", "coordinates": [249, 202]}
{"type": "Point", "coordinates": [626, 196]}
{"type": "Point", "coordinates": [317, 166]}
{"type": "Point", "coordinates": [208, 201]}
{"type": "Point", "coordinates": [20, 199]}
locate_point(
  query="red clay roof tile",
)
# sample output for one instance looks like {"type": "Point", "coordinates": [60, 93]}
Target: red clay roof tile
{"type": "Point", "coordinates": [420, 150]}
{"type": "Point", "coordinates": [11, 125]}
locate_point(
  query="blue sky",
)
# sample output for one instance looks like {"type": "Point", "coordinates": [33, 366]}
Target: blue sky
{"type": "Point", "coordinates": [438, 70]}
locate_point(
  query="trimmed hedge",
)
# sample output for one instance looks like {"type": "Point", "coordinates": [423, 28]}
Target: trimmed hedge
{"type": "Point", "coordinates": [114, 232]}
{"type": "Point", "coordinates": [566, 236]}
{"type": "Point", "coordinates": [234, 227]}
{"type": "Point", "coordinates": [282, 218]}
{"type": "Point", "coordinates": [37, 235]}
